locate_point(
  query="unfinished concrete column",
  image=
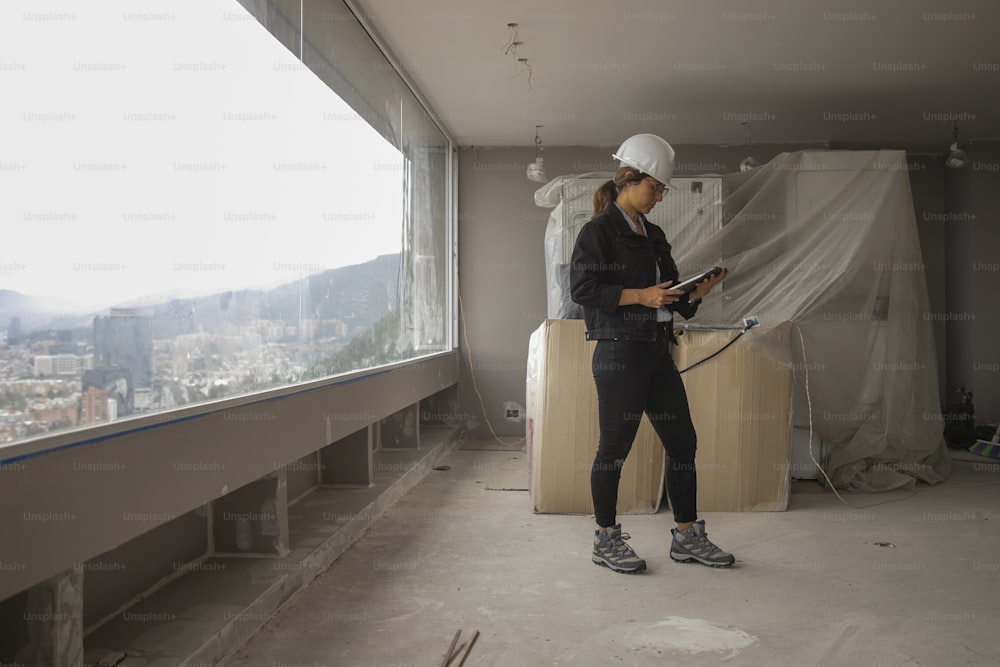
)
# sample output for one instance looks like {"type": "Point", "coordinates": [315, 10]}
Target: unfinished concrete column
{"type": "Point", "coordinates": [348, 462]}
{"type": "Point", "coordinates": [400, 430]}
{"type": "Point", "coordinates": [53, 617]}
{"type": "Point", "coordinates": [253, 519]}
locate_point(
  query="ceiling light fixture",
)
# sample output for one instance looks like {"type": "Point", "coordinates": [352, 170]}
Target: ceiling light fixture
{"type": "Point", "coordinates": [956, 158]}
{"type": "Point", "coordinates": [536, 170]}
{"type": "Point", "coordinates": [748, 162]}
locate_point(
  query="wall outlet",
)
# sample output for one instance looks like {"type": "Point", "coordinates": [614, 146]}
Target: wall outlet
{"type": "Point", "coordinates": [513, 413]}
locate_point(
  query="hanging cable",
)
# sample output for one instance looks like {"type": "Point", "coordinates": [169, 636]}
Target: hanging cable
{"type": "Point", "coordinates": [523, 62]}
{"type": "Point", "coordinates": [472, 371]}
{"type": "Point", "coordinates": [510, 48]}
{"type": "Point", "coordinates": [717, 352]}
{"type": "Point", "coordinates": [521, 65]}
{"type": "Point", "coordinates": [812, 456]}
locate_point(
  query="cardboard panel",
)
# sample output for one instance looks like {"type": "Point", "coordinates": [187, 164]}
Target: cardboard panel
{"type": "Point", "coordinates": [741, 407]}
{"type": "Point", "coordinates": [562, 431]}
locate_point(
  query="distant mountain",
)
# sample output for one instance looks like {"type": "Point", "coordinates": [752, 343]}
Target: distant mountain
{"type": "Point", "coordinates": [11, 301]}
{"type": "Point", "coordinates": [360, 295]}
{"type": "Point", "coordinates": [39, 312]}
{"type": "Point", "coordinates": [16, 304]}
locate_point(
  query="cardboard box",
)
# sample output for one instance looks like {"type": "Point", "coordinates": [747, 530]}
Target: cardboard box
{"type": "Point", "coordinates": [741, 405]}
{"type": "Point", "coordinates": [562, 429]}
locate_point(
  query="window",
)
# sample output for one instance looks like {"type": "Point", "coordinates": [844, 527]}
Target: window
{"type": "Point", "coordinates": [204, 200]}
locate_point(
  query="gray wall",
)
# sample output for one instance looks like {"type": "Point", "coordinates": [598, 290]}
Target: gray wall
{"type": "Point", "coordinates": [501, 280]}
{"type": "Point", "coordinates": [972, 198]}
{"type": "Point", "coordinates": [117, 576]}
{"type": "Point", "coordinates": [502, 270]}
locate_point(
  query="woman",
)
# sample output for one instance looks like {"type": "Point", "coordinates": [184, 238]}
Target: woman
{"type": "Point", "coordinates": [621, 273]}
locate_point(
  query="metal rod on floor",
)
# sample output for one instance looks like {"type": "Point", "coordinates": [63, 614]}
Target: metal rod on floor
{"type": "Point", "coordinates": [468, 647]}
{"type": "Point", "coordinates": [447, 656]}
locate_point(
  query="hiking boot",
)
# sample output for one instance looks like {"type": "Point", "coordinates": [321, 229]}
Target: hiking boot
{"type": "Point", "coordinates": [611, 551]}
{"type": "Point", "coordinates": [693, 545]}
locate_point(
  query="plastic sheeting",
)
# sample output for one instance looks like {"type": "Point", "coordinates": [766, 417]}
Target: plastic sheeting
{"type": "Point", "coordinates": [688, 215]}
{"type": "Point", "coordinates": [570, 199]}
{"type": "Point", "coordinates": [828, 241]}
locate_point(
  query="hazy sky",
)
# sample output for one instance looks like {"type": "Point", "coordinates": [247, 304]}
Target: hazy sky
{"type": "Point", "coordinates": [151, 147]}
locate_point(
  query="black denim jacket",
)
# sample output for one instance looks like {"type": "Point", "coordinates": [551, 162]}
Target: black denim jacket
{"type": "Point", "coordinates": [609, 257]}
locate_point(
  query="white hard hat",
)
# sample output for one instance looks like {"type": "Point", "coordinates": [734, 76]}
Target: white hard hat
{"type": "Point", "coordinates": [649, 154]}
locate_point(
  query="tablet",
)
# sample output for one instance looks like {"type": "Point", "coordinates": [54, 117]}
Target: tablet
{"type": "Point", "coordinates": [688, 285]}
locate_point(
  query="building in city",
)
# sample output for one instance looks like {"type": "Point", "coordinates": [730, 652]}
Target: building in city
{"type": "Point", "coordinates": [116, 383]}
{"type": "Point", "coordinates": [125, 339]}
{"type": "Point", "coordinates": [94, 406]}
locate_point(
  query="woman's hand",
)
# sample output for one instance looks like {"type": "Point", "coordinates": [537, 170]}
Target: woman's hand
{"type": "Point", "coordinates": [706, 285]}
{"type": "Point", "coordinates": [657, 296]}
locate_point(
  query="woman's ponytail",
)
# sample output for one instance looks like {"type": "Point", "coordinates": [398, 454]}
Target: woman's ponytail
{"type": "Point", "coordinates": [608, 192]}
{"type": "Point", "coordinates": [604, 196]}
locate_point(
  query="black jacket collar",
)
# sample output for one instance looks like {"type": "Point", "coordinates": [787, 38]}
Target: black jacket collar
{"type": "Point", "coordinates": [622, 225]}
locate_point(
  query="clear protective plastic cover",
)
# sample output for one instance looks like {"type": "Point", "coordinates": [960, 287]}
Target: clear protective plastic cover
{"type": "Point", "coordinates": [826, 240]}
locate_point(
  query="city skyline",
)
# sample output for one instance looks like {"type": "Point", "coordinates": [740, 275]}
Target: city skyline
{"type": "Point", "coordinates": [137, 361]}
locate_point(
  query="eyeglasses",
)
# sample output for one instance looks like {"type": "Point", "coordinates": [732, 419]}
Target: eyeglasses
{"type": "Point", "coordinates": [658, 188]}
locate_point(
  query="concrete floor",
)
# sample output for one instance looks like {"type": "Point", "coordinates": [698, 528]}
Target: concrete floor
{"type": "Point", "coordinates": [817, 585]}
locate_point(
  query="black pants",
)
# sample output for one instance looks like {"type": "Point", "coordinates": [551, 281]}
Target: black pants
{"type": "Point", "coordinates": [635, 377]}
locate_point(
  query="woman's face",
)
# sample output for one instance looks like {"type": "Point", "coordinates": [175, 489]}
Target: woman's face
{"type": "Point", "coordinates": [645, 194]}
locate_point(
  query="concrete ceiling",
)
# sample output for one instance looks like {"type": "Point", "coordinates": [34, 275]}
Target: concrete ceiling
{"type": "Point", "coordinates": [890, 73]}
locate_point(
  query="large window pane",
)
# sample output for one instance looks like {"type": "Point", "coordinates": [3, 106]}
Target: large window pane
{"type": "Point", "coordinates": [191, 212]}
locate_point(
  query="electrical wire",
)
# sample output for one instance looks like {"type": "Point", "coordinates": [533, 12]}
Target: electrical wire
{"type": "Point", "coordinates": [819, 466]}
{"type": "Point", "coordinates": [805, 365]}
{"type": "Point", "coordinates": [472, 371]}
{"type": "Point", "coordinates": [717, 352]}
{"type": "Point", "coordinates": [522, 66]}
{"type": "Point", "coordinates": [511, 46]}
